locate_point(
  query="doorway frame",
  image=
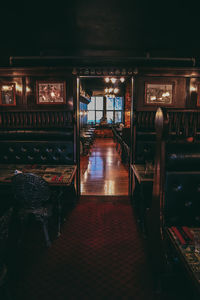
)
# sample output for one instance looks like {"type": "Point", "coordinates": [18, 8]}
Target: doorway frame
{"type": "Point", "coordinates": [77, 122]}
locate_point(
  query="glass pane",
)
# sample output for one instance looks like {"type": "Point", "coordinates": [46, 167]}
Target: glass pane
{"type": "Point", "coordinates": [99, 115]}
{"type": "Point", "coordinates": [118, 117]}
{"type": "Point", "coordinates": [118, 103]}
{"type": "Point", "coordinates": [109, 116]}
{"type": "Point", "coordinates": [109, 103]}
{"type": "Point", "coordinates": [91, 105]}
{"type": "Point", "coordinates": [99, 103]}
{"type": "Point", "coordinates": [91, 117]}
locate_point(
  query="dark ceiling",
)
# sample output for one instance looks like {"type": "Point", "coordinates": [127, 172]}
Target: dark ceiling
{"type": "Point", "coordinates": [99, 28]}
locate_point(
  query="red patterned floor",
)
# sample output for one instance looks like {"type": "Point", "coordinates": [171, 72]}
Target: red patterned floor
{"type": "Point", "coordinates": [99, 255]}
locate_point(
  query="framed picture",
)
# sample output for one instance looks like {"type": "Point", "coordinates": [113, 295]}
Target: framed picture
{"type": "Point", "coordinates": [159, 93]}
{"type": "Point", "coordinates": [7, 94]}
{"type": "Point", "coordinates": [51, 92]}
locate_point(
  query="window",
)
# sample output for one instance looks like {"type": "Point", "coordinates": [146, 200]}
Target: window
{"type": "Point", "coordinates": [114, 108]}
{"type": "Point", "coordinates": [95, 110]}
{"type": "Point", "coordinates": [109, 107]}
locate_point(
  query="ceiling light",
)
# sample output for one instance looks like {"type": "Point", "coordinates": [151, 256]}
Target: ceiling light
{"type": "Point", "coordinates": [122, 79]}
{"type": "Point", "coordinates": [113, 80]}
{"type": "Point", "coordinates": [107, 79]}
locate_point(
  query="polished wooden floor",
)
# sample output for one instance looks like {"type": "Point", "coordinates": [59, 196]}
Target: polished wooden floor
{"type": "Point", "coordinates": [102, 173]}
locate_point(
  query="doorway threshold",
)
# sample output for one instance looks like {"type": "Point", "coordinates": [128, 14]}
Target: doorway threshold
{"type": "Point", "coordinates": [105, 198]}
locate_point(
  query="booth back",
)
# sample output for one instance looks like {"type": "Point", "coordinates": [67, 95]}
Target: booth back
{"type": "Point", "coordinates": [145, 147]}
{"type": "Point", "coordinates": [37, 147]}
{"type": "Point", "coordinates": [182, 184]}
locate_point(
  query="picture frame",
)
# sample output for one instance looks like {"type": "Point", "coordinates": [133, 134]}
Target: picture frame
{"type": "Point", "coordinates": [51, 92]}
{"type": "Point", "coordinates": [159, 93]}
{"type": "Point", "coordinates": [7, 94]}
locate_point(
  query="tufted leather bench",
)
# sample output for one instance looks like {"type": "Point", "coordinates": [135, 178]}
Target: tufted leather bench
{"type": "Point", "coordinates": [36, 147]}
{"type": "Point", "coordinates": [36, 152]}
{"type": "Point", "coordinates": [182, 185]}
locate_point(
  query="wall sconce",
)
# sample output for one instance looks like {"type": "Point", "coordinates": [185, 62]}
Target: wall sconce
{"type": "Point", "coordinates": [28, 90]}
{"type": "Point", "coordinates": [18, 87]}
{"type": "Point", "coordinates": [193, 92]}
{"type": "Point", "coordinates": [193, 85]}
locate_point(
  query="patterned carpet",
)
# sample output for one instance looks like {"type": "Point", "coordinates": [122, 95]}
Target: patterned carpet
{"type": "Point", "coordinates": [99, 255]}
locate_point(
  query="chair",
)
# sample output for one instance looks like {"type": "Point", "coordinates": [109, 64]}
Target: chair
{"type": "Point", "coordinates": [32, 195]}
{"type": "Point", "coordinates": [4, 228]}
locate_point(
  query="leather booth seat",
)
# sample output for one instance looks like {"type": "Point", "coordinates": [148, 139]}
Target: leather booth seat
{"type": "Point", "coordinates": [182, 185]}
{"type": "Point", "coordinates": [36, 134]}
{"type": "Point", "coordinates": [36, 147]}
{"type": "Point", "coordinates": [40, 152]}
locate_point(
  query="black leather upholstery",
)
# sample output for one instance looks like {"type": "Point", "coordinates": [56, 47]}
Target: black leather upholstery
{"type": "Point", "coordinates": [183, 156]}
{"type": "Point", "coordinates": [37, 134]}
{"type": "Point", "coordinates": [182, 184]}
{"type": "Point", "coordinates": [182, 198]}
{"type": "Point", "coordinates": [35, 119]}
{"type": "Point", "coordinates": [40, 152]}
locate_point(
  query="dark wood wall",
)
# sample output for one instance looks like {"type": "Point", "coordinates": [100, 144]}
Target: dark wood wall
{"type": "Point", "coordinates": [182, 79]}
{"type": "Point", "coordinates": [25, 82]}
{"type": "Point", "coordinates": [179, 91]}
{"type": "Point", "coordinates": [27, 113]}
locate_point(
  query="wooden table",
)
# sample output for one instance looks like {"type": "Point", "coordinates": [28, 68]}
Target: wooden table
{"type": "Point", "coordinates": [55, 175]}
{"type": "Point", "coordinates": [189, 259]}
{"type": "Point", "coordinates": [142, 182]}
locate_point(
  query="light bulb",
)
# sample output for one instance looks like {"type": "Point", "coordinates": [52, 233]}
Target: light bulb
{"type": "Point", "coordinates": [113, 80]}
{"type": "Point", "coordinates": [107, 79]}
{"type": "Point", "coordinates": [122, 79]}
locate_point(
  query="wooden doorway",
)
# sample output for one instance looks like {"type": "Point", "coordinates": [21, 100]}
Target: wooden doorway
{"type": "Point", "coordinates": [102, 171]}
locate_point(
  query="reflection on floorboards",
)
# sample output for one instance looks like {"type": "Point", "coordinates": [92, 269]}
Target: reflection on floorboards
{"type": "Point", "coordinates": [102, 173]}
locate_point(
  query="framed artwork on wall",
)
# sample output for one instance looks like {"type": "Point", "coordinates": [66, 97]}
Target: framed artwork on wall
{"type": "Point", "coordinates": [7, 94]}
{"type": "Point", "coordinates": [51, 92]}
{"type": "Point", "coordinates": [159, 93]}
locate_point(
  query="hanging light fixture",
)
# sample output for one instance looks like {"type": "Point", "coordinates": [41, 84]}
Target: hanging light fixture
{"type": "Point", "coordinates": [113, 80]}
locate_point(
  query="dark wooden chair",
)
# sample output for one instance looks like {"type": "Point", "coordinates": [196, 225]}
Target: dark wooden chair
{"type": "Point", "coordinates": [32, 195]}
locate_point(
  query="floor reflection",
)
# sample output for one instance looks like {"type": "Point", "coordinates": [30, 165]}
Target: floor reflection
{"type": "Point", "coordinates": [103, 173]}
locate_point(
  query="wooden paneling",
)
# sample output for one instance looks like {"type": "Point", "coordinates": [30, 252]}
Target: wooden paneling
{"type": "Point", "coordinates": [179, 100]}
{"type": "Point", "coordinates": [25, 80]}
